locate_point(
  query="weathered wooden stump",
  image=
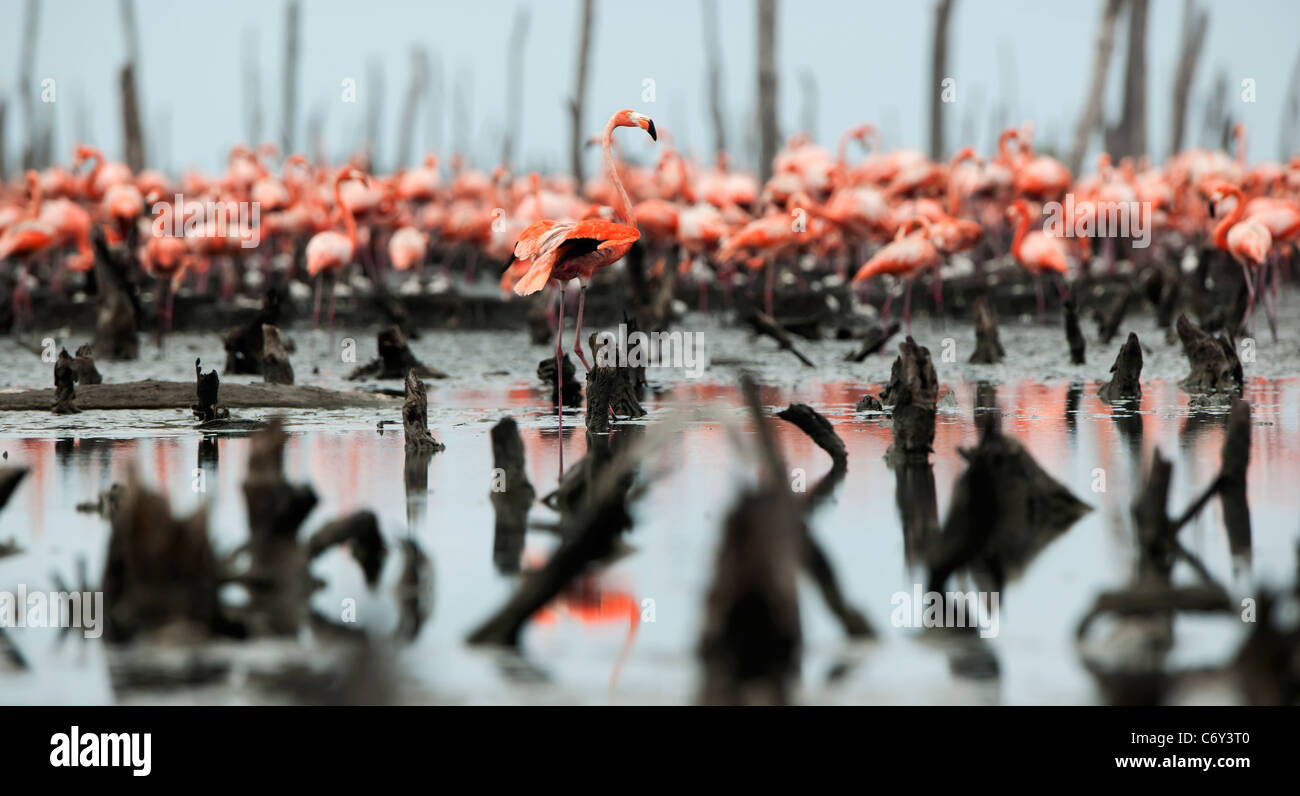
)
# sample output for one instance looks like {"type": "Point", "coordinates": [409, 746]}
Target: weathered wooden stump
{"type": "Point", "coordinates": [395, 360]}
{"type": "Point", "coordinates": [1125, 381]}
{"type": "Point", "coordinates": [988, 348]}
{"type": "Point", "coordinates": [65, 390]}
{"type": "Point", "coordinates": [83, 365]}
{"type": "Point", "coordinates": [1005, 509]}
{"type": "Point", "coordinates": [572, 387]}
{"type": "Point", "coordinates": [245, 345]}
{"type": "Point", "coordinates": [1215, 367]}
{"type": "Point", "coordinates": [208, 386]}
{"type": "Point", "coordinates": [415, 417]}
{"type": "Point", "coordinates": [160, 571]}
{"type": "Point", "coordinates": [512, 496]}
{"type": "Point", "coordinates": [913, 394]}
{"type": "Point", "coordinates": [874, 341]}
{"type": "Point", "coordinates": [1074, 335]}
{"type": "Point", "coordinates": [275, 365]}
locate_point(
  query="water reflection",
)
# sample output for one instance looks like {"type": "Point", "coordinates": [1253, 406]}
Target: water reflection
{"type": "Point", "coordinates": [443, 505]}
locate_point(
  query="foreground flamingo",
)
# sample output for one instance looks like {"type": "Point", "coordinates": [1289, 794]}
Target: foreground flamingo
{"type": "Point", "coordinates": [332, 250]}
{"type": "Point", "coordinates": [910, 254]}
{"type": "Point", "coordinates": [1036, 251]}
{"type": "Point", "coordinates": [559, 251]}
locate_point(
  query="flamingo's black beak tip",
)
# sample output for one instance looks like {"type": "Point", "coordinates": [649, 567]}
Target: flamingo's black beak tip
{"type": "Point", "coordinates": [650, 128]}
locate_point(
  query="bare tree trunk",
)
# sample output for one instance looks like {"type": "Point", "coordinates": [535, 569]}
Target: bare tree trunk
{"type": "Point", "coordinates": [436, 99]}
{"type": "Point", "coordinates": [1090, 120]}
{"type": "Point", "coordinates": [26, 81]}
{"type": "Point", "coordinates": [713, 54]}
{"type": "Point", "coordinates": [1217, 119]}
{"type": "Point", "coordinates": [417, 90]}
{"type": "Point", "coordinates": [132, 134]}
{"type": "Point", "coordinates": [1195, 23]}
{"type": "Point", "coordinates": [514, 82]}
{"type": "Point", "coordinates": [290, 96]}
{"type": "Point", "coordinates": [4, 145]}
{"type": "Point", "coordinates": [252, 89]}
{"type": "Point", "coordinates": [132, 129]}
{"type": "Point", "coordinates": [1288, 142]}
{"type": "Point", "coordinates": [374, 111]}
{"type": "Point", "coordinates": [808, 106]}
{"type": "Point", "coordinates": [1129, 137]}
{"type": "Point", "coordinates": [580, 92]}
{"type": "Point", "coordinates": [768, 131]}
{"type": "Point", "coordinates": [460, 128]}
{"type": "Point", "coordinates": [938, 71]}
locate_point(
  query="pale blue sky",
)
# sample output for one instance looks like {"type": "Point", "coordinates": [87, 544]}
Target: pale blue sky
{"type": "Point", "coordinates": [870, 60]}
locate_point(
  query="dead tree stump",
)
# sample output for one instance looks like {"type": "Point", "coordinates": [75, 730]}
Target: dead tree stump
{"type": "Point", "coordinates": [874, 341]}
{"type": "Point", "coordinates": [512, 496]}
{"type": "Point", "coordinates": [207, 386]}
{"type": "Point", "coordinates": [65, 391]}
{"type": "Point", "coordinates": [395, 360]}
{"type": "Point", "coordinates": [275, 365]}
{"type": "Point", "coordinates": [988, 348]}
{"type": "Point", "coordinates": [1074, 335]}
{"type": "Point", "coordinates": [84, 366]}
{"type": "Point", "coordinates": [415, 417]}
{"type": "Point", "coordinates": [1125, 381]}
{"type": "Point", "coordinates": [913, 394]}
{"type": "Point", "coordinates": [1215, 367]}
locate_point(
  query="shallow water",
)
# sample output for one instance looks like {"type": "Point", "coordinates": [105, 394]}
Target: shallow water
{"type": "Point", "coordinates": [568, 658]}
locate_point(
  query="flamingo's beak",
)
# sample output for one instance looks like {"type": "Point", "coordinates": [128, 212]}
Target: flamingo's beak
{"type": "Point", "coordinates": [647, 124]}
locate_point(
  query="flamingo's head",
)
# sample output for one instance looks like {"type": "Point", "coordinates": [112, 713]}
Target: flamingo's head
{"type": "Point", "coordinates": [352, 173]}
{"type": "Point", "coordinates": [268, 150]}
{"type": "Point", "coordinates": [1018, 209]}
{"type": "Point", "coordinates": [498, 173]}
{"type": "Point", "coordinates": [965, 153]}
{"type": "Point", "coordinates": [84, 153]}
{"type": "Point", "coordinates": [630, 118]}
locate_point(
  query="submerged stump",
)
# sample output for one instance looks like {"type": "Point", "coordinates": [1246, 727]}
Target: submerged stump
{"type": "Point", "coordinates": [275, 365]}
{"type": "Point", "coordinates": [83, 365]}
{"type": "Point", "coordinates": [1074, 335]}
{"type": "Point", "coordinates": [395, 360]}
{"type": "Point", "coordinates": [1125, 381]}
{"type": "Point", "coordinates": [572, 387]}
{"type": "Point", "coordinates": [1215, 367]}
{"type": "Point", "coordinates": [913, 394]}
{"type": "Point", "coordinates": [415, 417]}
{"type": "Point", "coordinates": [512, 496]}
{"type": "Point", "coordinates": [988, 348]}
{"type": "Point", "coordinates": [65, 390]}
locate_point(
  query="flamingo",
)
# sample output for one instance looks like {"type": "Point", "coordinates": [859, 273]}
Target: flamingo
{"type": "Point", "coordinates": [559, 251]}
{"type": "Point", "coordinates": [909, 254]}
{"type": "Point", "coordinates": [24, 240]}
{"type": "Point", "coordinates": [1247, 240]}
{"type": "Point", "coordinates": [1036, 251]}
{"type": "Point", "coordinates": [332, 250]}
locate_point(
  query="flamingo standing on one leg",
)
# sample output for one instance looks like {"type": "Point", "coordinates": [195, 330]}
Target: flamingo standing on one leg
{"type": "Point", "coordinates": [911, 254]}
{"type": "Point", "coordinates": [332, 250]}
{"type": "Point", "coordinates": [1036, 251]}
{"type": "Point", "coordinates": [559, 251]}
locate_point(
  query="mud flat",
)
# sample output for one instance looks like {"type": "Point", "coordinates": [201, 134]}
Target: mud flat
{"type": "Point", "coordinates": [150, 394]}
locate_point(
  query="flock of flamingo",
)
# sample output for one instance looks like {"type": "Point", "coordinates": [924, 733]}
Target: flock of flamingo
{"type": "Point", "coordinates": [821, 214]}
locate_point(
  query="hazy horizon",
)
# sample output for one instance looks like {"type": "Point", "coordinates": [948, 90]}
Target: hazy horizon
{"type": "Point", "coordinates": [870, 61]}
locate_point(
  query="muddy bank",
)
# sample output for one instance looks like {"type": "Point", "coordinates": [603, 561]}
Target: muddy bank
{"type": "Point", "coordinates": [152, 394]}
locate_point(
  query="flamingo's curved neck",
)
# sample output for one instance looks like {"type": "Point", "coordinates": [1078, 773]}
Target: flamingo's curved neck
{"type": "Point", "coordinates": [349, 223]}
{"type": "Point", "coordinates": [954, 198]}
{"type": "Point", "coordinates": [1221, 231]}
{"type": "Point", "coordinates": [34, 209]}
{"type": "Point", "coordinates": [622, 204]}
{"type": "Point", "coordinates": [94, 172]}
{"type": "Point", "coordinates": [1022, 226]}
